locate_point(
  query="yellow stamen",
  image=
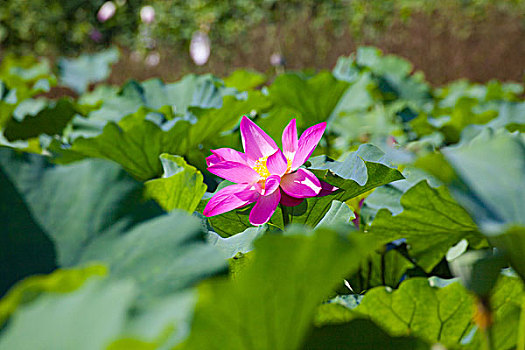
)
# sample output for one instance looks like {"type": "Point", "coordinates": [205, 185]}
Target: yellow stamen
{"type": "Point", "coordinates": [260, 167]}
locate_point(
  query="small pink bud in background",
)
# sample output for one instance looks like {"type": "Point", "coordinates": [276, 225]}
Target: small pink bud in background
{"type": "Point", "coordinates": [153, 59]}
{"type": "Point", "coordinates": [106, 11]}
{"type": "Point", "coordinates": [200, 48]}
{"type": "Point", "coordinates": [147, 14]}
{"type": "Point", "coordinates": [277, 60]}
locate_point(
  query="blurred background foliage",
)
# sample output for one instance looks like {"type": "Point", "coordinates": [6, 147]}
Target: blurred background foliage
{"type": "Point", "coordinates": [446, 39]}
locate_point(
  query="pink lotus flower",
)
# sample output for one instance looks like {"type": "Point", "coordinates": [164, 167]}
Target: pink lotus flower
{"type": "Point", "coordinates": [264, 174]}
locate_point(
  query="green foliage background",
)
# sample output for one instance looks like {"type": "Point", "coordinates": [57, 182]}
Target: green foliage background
{"type": "Point", "coordinates": [45, 27]}
{"type": "Point", "coordinates": [103, 244]}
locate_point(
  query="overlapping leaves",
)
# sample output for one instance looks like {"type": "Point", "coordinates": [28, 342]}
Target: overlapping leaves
{"type": "Point", "coordinates": [491, 196]}
{"type": "Point", "coordinates": [436, 311]}
{"type": "Point", "coordinates": [93, 211]}
{"type": "Point", "coordinates": [137, 141]}
{"type": "Point", "coordinates": [275, 296]}
{"type": "Point", "coordinates": [431, 222]}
